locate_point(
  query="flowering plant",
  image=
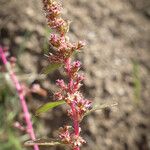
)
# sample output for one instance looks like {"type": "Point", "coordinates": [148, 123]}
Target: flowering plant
{"type": "Point", "coordinates": [69, 92]}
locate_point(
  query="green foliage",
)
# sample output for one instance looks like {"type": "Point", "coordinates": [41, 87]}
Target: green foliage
{"type": "Point", "coordinates": [137, 82]}
{"type": "Point", "coordinates": [11, 143]}
{"type": "Point", "coordinates": [43, 142]}
{"type": "Point", "coordinates": [47, 106]}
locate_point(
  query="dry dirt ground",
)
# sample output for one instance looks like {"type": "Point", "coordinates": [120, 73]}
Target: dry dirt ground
{"type": "Point", "coordinates": [116, 62]}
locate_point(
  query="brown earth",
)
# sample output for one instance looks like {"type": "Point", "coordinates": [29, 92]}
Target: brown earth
{"type": "Point", "coordinates": [118, 36]}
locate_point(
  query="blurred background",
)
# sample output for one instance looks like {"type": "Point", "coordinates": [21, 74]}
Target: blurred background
{"type": "Point", "coordinates": [116, 62]}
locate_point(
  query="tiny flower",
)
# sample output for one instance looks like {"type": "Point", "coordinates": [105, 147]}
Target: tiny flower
{"type": "Point", "coordinates": [70, 113]}
{"type": "Point", "coordinates": [82, 105]}
{"type": "Point", "coordinates": [77, 64]}
{"type": "Point", "coordinates": [67, 137]}
{"type": "Point", "coordinates": [54, 40]}
{"type": "Point", "coordinates": [80, 77]}
{"type": "Point", "coordinates": [74, 68]}
{"type": "Point", "coordinates": [65, 27]}
{"type": "Point", "coordinates": [56, 23]}
{"type": "Point", "coordinates": [77, 141]}
{"type": "Point", "coordinates": [57, 41]}
{"type": "Point", "coordinates": [54, 10]}
{"type": "Point", "coordinates": [65, 134]}
{"type": "Point", "coordinates": [69, 98]}
{"type": "Point", "coordinates": [81, 44]}
{"type": "Point", "coordinates": [61, 83]}
{"type": "Point", "coordinates": [58, 96]}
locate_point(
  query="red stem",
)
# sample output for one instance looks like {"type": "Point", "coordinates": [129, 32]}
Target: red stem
{"type": "Point", "coordinates": [75, 115]}
{"type": "Point", "coordinates": [21, 97]}
{"type": "Point", "coordinates": [75, 123]}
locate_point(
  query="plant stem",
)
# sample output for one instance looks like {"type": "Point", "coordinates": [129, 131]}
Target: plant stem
{"type": "Point", "coordinates": [75, 115]}
{"type": "Point", "coordinates": [77, 148]}
{"type": "Point", "coordinates": [21, 97]}
{"type": "Point", "coordinates": [75, 123]}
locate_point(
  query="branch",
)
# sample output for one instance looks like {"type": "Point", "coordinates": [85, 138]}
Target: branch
{"type": "Point", "coordinates": [21, 97]}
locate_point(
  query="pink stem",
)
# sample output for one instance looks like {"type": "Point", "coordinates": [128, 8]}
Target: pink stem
{"type": "Point", "coordinates": [75, 123]}
{"type": "Point", "coordinates": [3, 56]}
{"type": "Point", "coordinates": [75, 115]}
{"type": "Point", "coordinates": [21, 97]}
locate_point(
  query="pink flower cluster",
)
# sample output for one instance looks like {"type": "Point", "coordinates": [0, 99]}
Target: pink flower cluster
{"type": "Point", "coordinates": [70, 92]}
{"type": "Point", "coordinates": [68, 137]}
{"type": "Point", "coordinates": [53, 12]}
{"type": "Point", "coordinates": [63, 50]}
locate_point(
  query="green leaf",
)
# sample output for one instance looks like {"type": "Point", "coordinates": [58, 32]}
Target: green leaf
{"type": "Point", "coordinates": [137, 82]}
{"type": "Point", "coordinates": [50, 68]}
{"type": "Point", "coordinates": [43, 142]}
{"type": "Point", "coordinates": [47, 106]}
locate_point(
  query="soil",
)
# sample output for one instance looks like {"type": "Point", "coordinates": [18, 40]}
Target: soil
{"type": "Point", "coordinates": [116, 57]}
